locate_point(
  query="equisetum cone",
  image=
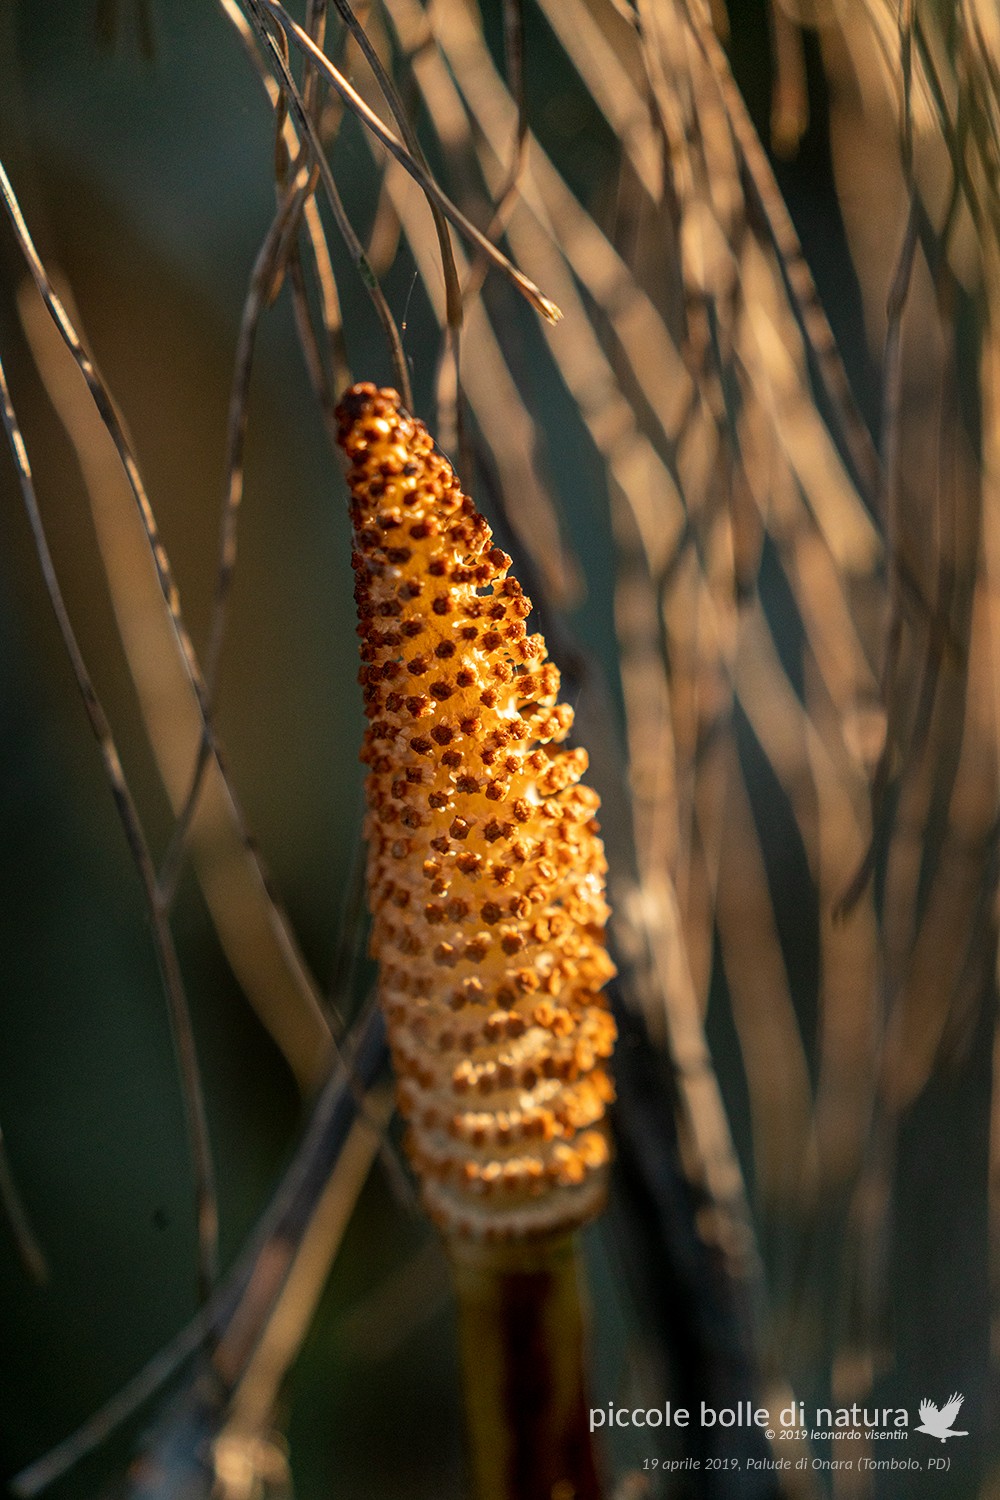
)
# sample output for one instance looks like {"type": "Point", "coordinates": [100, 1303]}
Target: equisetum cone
{"type": "Point", "coordinates": [485, 871]}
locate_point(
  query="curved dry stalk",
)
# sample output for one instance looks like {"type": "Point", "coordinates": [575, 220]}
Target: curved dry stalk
{"type": "Point", "coordinates": [227, 1404]}
{"type": "Point", "coordinates": [206, 1203]}
{"type": "Point", "coordinates": [326, 285]}
{"type": "Point", "coordinates": [453, 293]}
{"type": "Point", "coordinates": [395, 147]}
{"type": "Point", "coordinates": [276, 253]}
{"type": "Point", "coordinates": [238, 1313]}
{"type": "Point", "coordinates": [316, 16]}
{"type": "Point", "coordinates": [324, 278]}
{"type": "Point", "coordinates": [109, 416]}
{"type": "Point", "coordinates": [505, 424]}
{"type": "Point", "coordinates": [251, 1409]}
{"type": "Point", "coordinates": [270, 260]}
{"type": "Point", "coordinates": [267, 269]}
{"type": "Point", "coordinates": [449, 386]}
{"type": "Point", "coordinates": [253, 931]}
{"type": "Point", "coordinates": [322, 267]}
{"type": "Point", "coordinates": [308, 130]}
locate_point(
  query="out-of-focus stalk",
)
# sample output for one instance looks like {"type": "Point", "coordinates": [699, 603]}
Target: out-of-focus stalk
{"type": "Point", "coordinates": [523, 1367]}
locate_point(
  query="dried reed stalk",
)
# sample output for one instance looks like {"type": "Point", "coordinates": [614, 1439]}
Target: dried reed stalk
{"type": "Point", "coordinates": [253, 930]}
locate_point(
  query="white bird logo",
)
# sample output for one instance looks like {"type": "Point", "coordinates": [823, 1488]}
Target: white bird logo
{"type": "Point", "coordinates": [938, 1423]}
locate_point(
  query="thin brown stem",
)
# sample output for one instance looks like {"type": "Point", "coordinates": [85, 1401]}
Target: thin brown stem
{"type": "Point", "coordinates": [450, 419]}
{"type": "Point", "coordinates": [308, 129]}
{"type": "Point", "coordinates": [108, 413]}
{"type": "Point", "coordinates": [315, 236]}
{"type": "Point", "coordinates": [163, 942]}
{"type": "Point", "coordinates": [396, 148]}
{"type": "Point", "coordinates": [265, 272]}
{"type": "Point", "coordinates": [240, 1304]}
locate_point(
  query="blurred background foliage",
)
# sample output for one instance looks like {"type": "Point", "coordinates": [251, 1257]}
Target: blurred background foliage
{"type": "Point", "coordinates": [141, 146]}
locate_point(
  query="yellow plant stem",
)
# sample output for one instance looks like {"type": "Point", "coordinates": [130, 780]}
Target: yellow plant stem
{"type": "Point", "coordinates": [521, 1330]}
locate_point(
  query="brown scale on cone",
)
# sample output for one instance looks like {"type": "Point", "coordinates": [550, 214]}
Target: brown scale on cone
{"type": "Point", "coordinates": [485, 871]}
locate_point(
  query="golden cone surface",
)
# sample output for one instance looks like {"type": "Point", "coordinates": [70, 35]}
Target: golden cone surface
{"type": "Point", "coordinates": [485, 872]}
